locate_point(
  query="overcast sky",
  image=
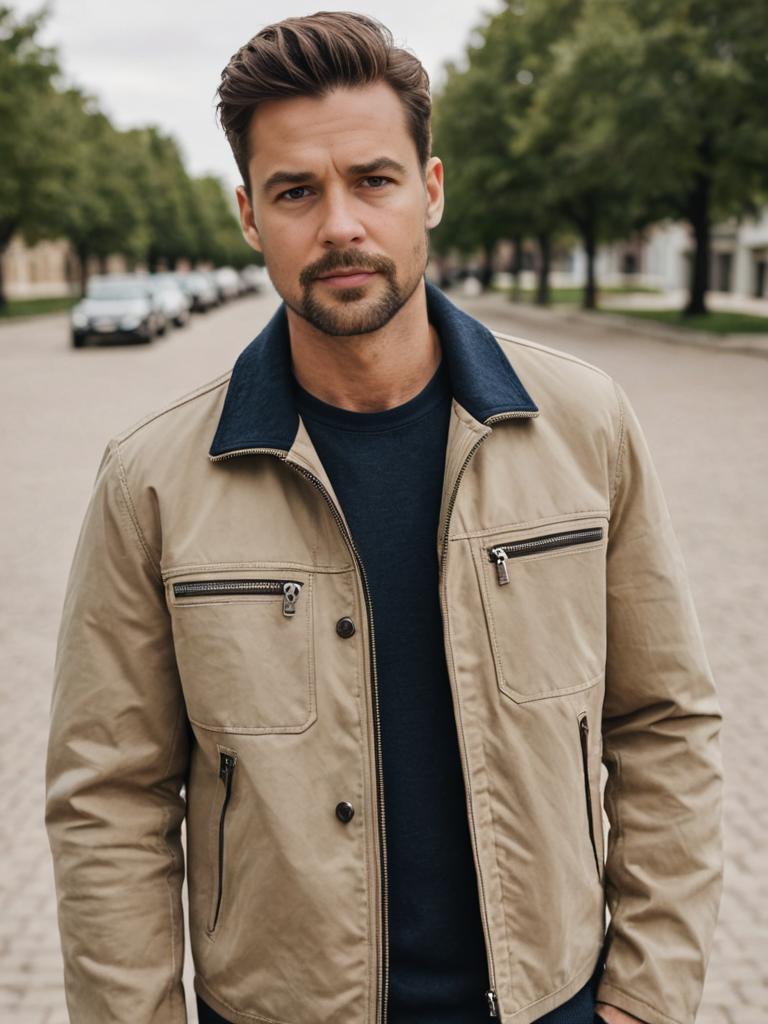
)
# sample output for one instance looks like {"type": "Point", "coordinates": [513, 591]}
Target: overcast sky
{"type": "Point", "coordinates": [159, 61]}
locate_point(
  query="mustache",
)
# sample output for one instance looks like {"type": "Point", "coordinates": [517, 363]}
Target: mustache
{"type": "Point", "coordinates": [342, 259]}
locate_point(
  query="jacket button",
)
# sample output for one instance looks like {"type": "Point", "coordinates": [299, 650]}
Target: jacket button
{"type": "Point", "coordinates": [345, 627]}
{"type": "Point", "coordinates": [344, 811]}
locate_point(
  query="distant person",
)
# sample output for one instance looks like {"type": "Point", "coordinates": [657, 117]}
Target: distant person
{"type": "Point", "coordinates": [369, 613]}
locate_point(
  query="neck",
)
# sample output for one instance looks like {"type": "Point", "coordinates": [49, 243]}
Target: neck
{"type": "Point", "coordinates": [368, 372]}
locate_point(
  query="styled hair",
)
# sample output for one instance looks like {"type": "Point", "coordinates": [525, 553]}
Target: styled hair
{"type": "Point", "coordinates": [311, 56]}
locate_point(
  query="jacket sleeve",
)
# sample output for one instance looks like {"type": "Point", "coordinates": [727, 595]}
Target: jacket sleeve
{"type": "Point", "coordinates": [116, 765]}
{"type": "Point", "coordinates": [661, 746]}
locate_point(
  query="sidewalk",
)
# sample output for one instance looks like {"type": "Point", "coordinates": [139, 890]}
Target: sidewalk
{"type": "Point", "coordinates": [748, 344]}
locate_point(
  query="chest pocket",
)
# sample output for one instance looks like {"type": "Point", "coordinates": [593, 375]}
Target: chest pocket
{"type": "Point", "coordinates": [245, 650]}
{"type": "Point", "coordinates": [543, 592]}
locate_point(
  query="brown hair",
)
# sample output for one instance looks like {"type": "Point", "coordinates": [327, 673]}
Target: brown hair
{"type": "Point", "coordinates": [310, 56]}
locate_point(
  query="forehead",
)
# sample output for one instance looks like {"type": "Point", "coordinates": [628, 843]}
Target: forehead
{"type": "Point", "coordinates": [349, 125]}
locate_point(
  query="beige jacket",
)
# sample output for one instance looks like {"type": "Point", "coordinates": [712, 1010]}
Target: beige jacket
{"type": "Point", "coordinates": [216, 663]}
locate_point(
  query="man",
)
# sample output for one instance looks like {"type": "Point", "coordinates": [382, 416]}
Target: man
{"type": "Point", "coordinates": [379, 602]}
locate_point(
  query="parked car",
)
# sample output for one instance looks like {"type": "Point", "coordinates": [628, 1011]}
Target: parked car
{"type": "Point", "coordinates": [252, 278]}
{"type": "Point", "coordinates": [228, 281]}
{"type": "Point", "coordinates": [170, 299]}
{"type": "Point", "coordinates": [212, 278]}
{"type": "Point", "coordinates": [199, 289]}
{"type": "Point", "coordinates": [115, 307]}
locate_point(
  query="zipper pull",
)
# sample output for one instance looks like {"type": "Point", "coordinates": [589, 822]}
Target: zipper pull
{"type": "Point", "coordinates": [226, 767]}
{"type": "Point", "coordinates": [501, 565]}
{"type": "Point", "coordinates": [291, 593]}
{"type": "Point", "coordinates": [493, 1005]}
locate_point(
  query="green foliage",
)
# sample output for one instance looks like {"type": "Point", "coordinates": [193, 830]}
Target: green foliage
{"type": "Point", "coordinates": [36, 307]}
{"type": "Point", "coordinates": [607, 116]}
{"type": "Point", "coordinates": [716, 322]}
{"type": "Point", "coordinates": [27, 78]}
{"type": "Point", "coordinates": [68, 172]}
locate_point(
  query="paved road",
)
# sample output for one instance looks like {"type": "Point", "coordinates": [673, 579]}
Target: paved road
{"type": "Point", "coordinates": [706, 417]}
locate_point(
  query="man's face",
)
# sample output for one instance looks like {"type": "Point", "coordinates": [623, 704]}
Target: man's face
{"type": "Point", "coordinates": [340, 206]}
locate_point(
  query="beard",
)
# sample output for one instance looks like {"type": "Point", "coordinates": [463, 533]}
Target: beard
{"type": "Point", "coordinates": [348, 312]}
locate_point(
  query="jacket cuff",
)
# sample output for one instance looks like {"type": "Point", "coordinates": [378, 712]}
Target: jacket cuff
{"type": "Point", "coordinates": [608, 993]}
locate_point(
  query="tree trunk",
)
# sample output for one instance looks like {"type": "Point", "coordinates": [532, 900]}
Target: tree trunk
{"type": "Point", "coordinates": [543, 294]}
{"type": "Point", "coordinates": [486, 272]}
{"type": "Point", "coordinates": [3, 297]}
{"type": "Point", "coordinates": [517, 266]}
{"type": "Point", "coordinates": [700, 223]}
{"type": "Point", "coordinates": [589, 238]}
{"type": "Point", "coordinates": [82, 257]}
{"type": "Point", "coordinates": [7, 231]}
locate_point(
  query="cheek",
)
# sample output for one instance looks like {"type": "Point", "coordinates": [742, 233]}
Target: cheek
{"type": "Point", "coordinates": [286, 247]}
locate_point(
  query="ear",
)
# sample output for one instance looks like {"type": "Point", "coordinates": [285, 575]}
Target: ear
{"type": "Point", "coordinates": [433, 183]}
{"type": "Point", "coordinates": [247, 224]}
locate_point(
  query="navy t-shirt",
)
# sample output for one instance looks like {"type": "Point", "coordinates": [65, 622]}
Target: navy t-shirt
{"type": "Point", "coordinates": [387, 471]}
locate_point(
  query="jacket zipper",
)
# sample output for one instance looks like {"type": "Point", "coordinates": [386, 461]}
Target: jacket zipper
{"type": "Point", "coordinates": [584, 737]}
{"type": "Point", "coordinates": [491, 997]}
{"type": "Point", "coordinates": [227, 764]}
{"type": "Point", "coordinates": [290, 589]}
{"type": "Point", "coordinates": [500, 553]}
{"type": "Point", "coordinates": [383, 966]}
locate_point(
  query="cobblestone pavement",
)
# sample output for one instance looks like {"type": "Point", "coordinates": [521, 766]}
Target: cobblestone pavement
{"type": "Point", "coordinates": [706, 417]}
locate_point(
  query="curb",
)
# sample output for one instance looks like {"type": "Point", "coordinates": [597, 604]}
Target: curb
{"type": "Point", "coordinates": [753, 345]}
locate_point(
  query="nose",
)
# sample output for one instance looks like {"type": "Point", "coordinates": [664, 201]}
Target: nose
{"type": "Point", "coordinates": [340, 225]}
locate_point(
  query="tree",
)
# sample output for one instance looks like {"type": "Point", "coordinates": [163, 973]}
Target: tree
{"type": "Point", "coordinates": [579, 129]}
{"type": "Point", "coordinates": [219, 238]}
{"type": "Point", "coordinates": [167, 194]}
{"type": "Point", "coordinates": [103, 211]}
{"type": "Point", "coordinates": [500, 190]}
{"type": "Point", "coordinates": [706, 67]}
{"type": "Point", "coordinates": [30, 186]}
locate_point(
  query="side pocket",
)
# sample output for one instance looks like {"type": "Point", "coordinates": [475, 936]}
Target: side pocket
{"type": "Point", "coordinates": [227, 764]}
{"type": "Point", "coordinates": [584, 740]}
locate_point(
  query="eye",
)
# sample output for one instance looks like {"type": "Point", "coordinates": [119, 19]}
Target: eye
{"type": "Point", "coordinates": [292, 194]}
{"type": "Point", "coordinates": [376, 181]}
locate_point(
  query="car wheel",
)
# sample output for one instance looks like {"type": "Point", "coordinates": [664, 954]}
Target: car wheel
{"type": "Point", "coordinates": [78, 339]}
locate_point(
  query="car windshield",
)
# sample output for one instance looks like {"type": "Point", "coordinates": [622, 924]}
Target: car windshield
{"type": "Point", "coordinates": [116, 290]}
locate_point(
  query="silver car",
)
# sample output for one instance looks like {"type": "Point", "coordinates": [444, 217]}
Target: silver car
{"type": "Point", "coordinates": [115, 307]}
{"type": "Point", "coordinates": [199, 289]}
{"type": "Point", "coordinates": [170, 298]}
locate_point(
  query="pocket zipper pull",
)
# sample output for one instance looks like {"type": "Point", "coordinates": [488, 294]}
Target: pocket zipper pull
{"type": "Point", "coordinates": [226, 768]}
{"type": "Point", "coordinates": [493, 1006]}
{"type": "Point", "coordinates": [291, 593]}
{"type": "Point", "coordinates": [501, 565]}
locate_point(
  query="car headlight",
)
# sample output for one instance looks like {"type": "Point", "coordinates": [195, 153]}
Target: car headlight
{"type": "Point", "coordinates": [128, 323]}
{"type": "Point", "coordinates": [79, 320]}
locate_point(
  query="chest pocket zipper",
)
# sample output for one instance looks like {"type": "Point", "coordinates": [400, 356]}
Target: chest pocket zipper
{"type": "Point", "coordinates": [290, 590]}
{"type": "Point", "coordinates": [532, 545]}
{"type": "Point", "coordinates": [227, 763]}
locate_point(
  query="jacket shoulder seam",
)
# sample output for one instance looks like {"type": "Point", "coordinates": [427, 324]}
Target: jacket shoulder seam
{"type": "Point", "coordinates": [190, 396]}
{"type": "Point", "coordinates": [547, 351]}
{"type": "Point", "coordinates": [620, 447]}
{"type": "Point", "coordinates": [129, 504]}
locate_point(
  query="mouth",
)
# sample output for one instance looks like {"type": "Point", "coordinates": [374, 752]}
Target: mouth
{"type": "Point", "coordinates": [349, 277]}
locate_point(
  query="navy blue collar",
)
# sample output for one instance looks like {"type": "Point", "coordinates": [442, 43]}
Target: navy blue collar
{"type": "Point", "coordinates": [259, 408]}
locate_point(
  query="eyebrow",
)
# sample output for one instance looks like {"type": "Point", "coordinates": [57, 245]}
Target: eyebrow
{"type": "Point", "coordinates": [381, 163]}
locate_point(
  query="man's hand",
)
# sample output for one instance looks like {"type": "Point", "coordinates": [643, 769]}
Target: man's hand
{"type": "Point", "coordinates": [613, 1015]}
